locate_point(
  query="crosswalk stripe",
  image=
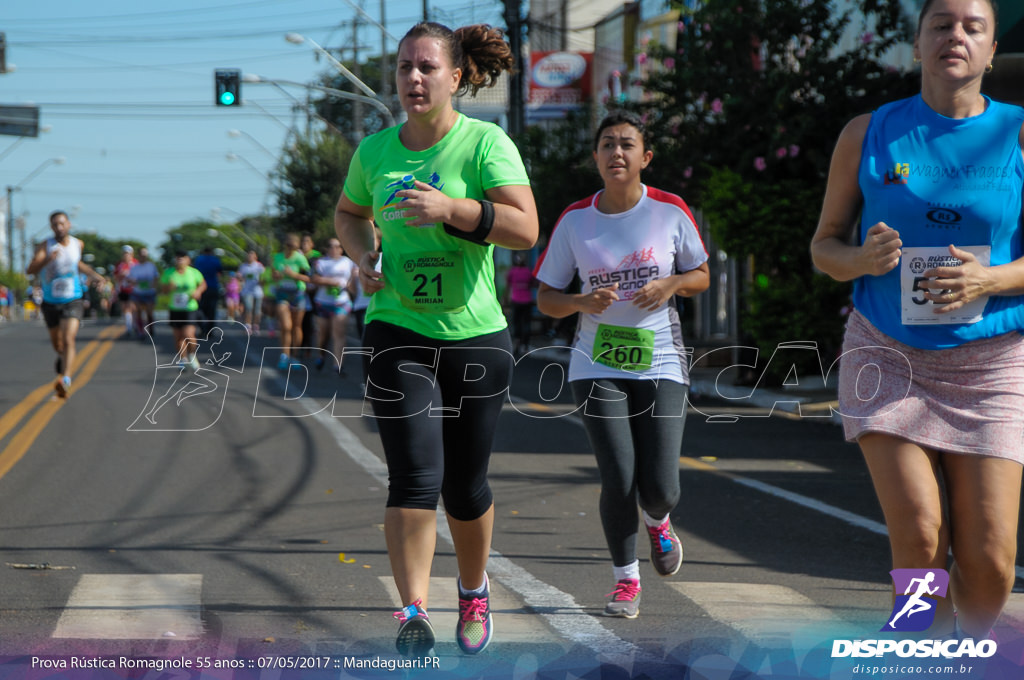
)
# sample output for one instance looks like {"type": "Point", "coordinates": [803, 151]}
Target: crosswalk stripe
{"type": "Point", "coordinates": [133, 607]}
{"type": "Point", "coordinates": [762, 613]}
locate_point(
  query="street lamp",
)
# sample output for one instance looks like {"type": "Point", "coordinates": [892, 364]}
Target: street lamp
{"type": "Point", "coordinates": [297, 105]}
{"type": "Point", "coordinates": [298, 39]}
{"type": "Point", "coordinates": [231, 156]}
{"type": "Point", "coordinates": [215, 214]}
{"type": "Point", "coordinates": [243, 133]}
{"type": "Point", "coordinates": [341, 94]}
{"type": "Point", "coordinates": [6, 152]}
{"type": "Point", "coordinates": [268, 114]}
{"type": "Point", "coordinates": [59, 160]}
{"type": "Point", "coordinates": [217, 232]}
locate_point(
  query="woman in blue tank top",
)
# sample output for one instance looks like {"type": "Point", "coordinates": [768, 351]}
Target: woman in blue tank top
{"type": "Point", "coordinates": [932, 373]}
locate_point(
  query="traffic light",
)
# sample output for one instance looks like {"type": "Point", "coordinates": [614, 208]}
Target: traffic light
{"type": "Point", "coordinates": [227, 87]}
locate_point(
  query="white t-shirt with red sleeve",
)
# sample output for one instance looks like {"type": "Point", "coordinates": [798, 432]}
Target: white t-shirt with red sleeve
{"type": "Point", "coordinates": [656, 238]}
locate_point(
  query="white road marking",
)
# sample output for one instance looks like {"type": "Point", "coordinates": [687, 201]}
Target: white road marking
{"type": "Point", "coordinates": [133, 607]}
{"type": "Point", "coordinates": [824, 508]}
{"type": "Point", "coordinates": [767, 614]}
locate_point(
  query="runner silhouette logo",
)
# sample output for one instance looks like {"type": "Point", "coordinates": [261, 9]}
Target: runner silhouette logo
{"type": "Point", "coordinates": [190, 384]}
{"type": "Point", "coordinates": [917, 592]}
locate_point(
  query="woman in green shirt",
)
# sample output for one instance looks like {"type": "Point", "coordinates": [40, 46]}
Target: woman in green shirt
{"type": "Point", "coordinates": [185, 285]}
{"type": "Point", "coordinates": [444, 189]}
{"type": "Point", "coordinates": [290, 270]}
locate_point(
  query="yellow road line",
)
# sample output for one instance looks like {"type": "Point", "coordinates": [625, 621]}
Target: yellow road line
{"type": "Point", "coordinates": [701, 465]}
{"type": "Point", "coordinates": [15, 414]}
{"type": "Point", "coordinates": [92, 356]}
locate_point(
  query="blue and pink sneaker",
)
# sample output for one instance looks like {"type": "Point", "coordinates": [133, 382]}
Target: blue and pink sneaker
{"type": "Point", "coordinates": [476, 626]}
{"type": "Point", "coordinates": [666, 549]}
{"type": "Point", "coordinates": [415, 634]}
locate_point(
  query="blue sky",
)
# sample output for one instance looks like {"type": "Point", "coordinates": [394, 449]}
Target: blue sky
{"type": "Point", "coordinates": [127, 89]}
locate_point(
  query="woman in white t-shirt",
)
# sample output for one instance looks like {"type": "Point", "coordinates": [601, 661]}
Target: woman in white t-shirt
{"type": "Point", "coordinates": [251, 274]}
{"type": "Point", "coordinates": [335, 279]}
{"type": "Point", "coordinates": [634, 248]}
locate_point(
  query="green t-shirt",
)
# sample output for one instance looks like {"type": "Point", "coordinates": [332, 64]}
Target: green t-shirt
{"type": "Point", "coordinates": [297, 262]}
{"type": "Point", "coordinates": [183, 284]}
{"type": "Point", "coordinates": [436, 285]}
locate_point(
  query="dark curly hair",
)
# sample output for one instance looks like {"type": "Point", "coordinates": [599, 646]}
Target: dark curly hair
{"type": "Point", "coordinates": [479, 50]}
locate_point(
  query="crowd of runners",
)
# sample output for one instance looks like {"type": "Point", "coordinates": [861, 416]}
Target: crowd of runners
{"type": "Point", "coordinates": [193, 296]}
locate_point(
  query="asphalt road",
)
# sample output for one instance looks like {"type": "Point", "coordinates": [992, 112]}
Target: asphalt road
{"type": "Point", "coordinates": [242, 521]}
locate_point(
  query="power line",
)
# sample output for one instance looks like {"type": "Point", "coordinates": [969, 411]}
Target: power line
{"type": "Point", "coordinates": [69, 39]}
{"type": "Point", "coordinates": [148, 16]}
{"type": "Point", "coordinates": [235, 22]}
{"type": "Point", "coordinates": [114, 65]}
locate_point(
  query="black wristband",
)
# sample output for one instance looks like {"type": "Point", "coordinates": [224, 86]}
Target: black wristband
{"type": "Point", "coordinates": [483, 229]}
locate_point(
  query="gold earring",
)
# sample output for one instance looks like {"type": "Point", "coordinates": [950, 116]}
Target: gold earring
{"type": "Point", "coordinates": [988, 69]}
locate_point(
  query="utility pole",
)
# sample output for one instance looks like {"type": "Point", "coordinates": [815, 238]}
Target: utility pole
{"type": "Point", "coordinates": [516, 105]}
{"type": "Point", "coordinates": [357, 107]}
{"type": "Point", "coordinates": [385, 61]}
{"type": "Point", "coordinates": [425, 13]}
{"type": "Point", "coordinates": [564, 28]}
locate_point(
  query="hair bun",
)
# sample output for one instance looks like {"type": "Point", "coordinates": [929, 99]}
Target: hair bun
{"type": "Point", "coordinates": [485, 55]}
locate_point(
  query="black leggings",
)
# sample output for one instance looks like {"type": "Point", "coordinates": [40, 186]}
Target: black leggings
{"type": "Point", "coordinates": [522, 315]}
{"type": "Point", "coordinates": [437, 404]}
{"type": "Point", "coordinates": [637, 449]}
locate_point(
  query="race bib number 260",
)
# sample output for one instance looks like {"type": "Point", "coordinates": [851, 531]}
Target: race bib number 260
{"type": "Point", "coordinates": [624, 348]}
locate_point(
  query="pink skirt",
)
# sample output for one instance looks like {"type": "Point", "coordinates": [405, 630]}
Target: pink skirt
{"type": "Point", "coordinates": [967, 399]}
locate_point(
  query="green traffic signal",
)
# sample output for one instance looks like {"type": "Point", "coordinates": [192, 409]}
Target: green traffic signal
{"type": "Point", "coordinates": [227, 85]}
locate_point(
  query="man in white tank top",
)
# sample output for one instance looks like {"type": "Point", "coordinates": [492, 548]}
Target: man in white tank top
{"type": "Point", "coordinates": [58, 263]}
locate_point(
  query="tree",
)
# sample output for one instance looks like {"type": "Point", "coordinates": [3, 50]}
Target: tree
{"type": "Point", "coordinates": [745, 112]}
{"type": "Point", "coordinates": [312, 178]}
{"type": "Point", "coordinates": [13, 279]}
{"type": "Point", "coordinates": [560, 166]}
{"type": "Point", "coordinates": [102, 252]}
{"type": "Point", "coordinates": [352, 119]}
{"type": "Point", "coordinates": [193, 237]}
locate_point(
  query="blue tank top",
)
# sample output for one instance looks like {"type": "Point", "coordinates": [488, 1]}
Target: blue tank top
{"type": "Point", "coordinates": [59, 278]}
{"type": "Point", "coordinates": [941, 181]}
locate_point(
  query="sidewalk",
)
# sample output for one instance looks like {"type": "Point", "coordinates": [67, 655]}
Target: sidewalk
{"type": "Point", "coordinates": [810, 397]}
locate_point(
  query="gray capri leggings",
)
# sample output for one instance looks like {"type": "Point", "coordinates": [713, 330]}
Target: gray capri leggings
{"type": "Point", "coordinates": [637, 447]}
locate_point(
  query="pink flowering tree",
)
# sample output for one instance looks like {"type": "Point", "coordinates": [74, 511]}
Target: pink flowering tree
{"type": "Point", "coordinates": [744, 126]}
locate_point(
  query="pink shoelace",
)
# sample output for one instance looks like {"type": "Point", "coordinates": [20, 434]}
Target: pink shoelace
{"type": "Point", "coordinates": [406, 613]}
{"type": "Point", "coordinates": [626, 589]}
{"type": "Point", "coordinates": [473, 610]}
{"type": "Point", "coordinates": [662, 534]}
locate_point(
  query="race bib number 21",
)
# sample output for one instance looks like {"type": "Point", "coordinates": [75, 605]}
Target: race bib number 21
{"type": "Point", "coordinates": [433, 282]}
